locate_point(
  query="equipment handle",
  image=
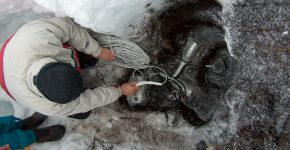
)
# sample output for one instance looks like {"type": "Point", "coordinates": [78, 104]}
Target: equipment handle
{"type": "Point", "coordinates": [148, 83]}
{"type": "Point", "coordinates": [181, 66]}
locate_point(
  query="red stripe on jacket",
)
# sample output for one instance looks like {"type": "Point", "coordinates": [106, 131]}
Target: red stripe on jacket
{"type": "Point", "coordinates": [2, 78]}
{"type": "Point", "coordinates": [76, 57]}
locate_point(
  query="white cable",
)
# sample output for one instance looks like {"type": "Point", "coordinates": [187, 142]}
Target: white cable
{"type": "Point", "coordinates": [179, 69]}
{"type": "Point", "coordinates": [110, 43]}
{"type": "Point", "coordinates": [128, 54]}
{"type": "Point", "coordinates": [134, 76]}
{"type": "Point", "coordinates": [140, 83]}
{"type": "Point", "coordinates": [148, 83]}
{"type": "Point", "coordinates": [164, 72]}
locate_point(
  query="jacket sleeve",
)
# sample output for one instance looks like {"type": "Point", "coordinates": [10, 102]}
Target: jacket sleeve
{"type": "Point", "coordinates": [50, 34]}
{"type": "Point", "coordinates": [66, 31]}
{"type": "Point", "coordinates": [88, 100]}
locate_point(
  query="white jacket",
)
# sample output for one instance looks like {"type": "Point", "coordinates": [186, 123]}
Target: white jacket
{"type": "Point", "coordinates": [44, 38]}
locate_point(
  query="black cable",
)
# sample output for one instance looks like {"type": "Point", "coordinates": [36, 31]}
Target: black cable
{"type": "Point", "coordinates": [179, 86]}
{"type": "Point", "coordinates": [156, 97]}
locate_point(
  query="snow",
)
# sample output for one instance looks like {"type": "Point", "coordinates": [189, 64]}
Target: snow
{"type": "Point", "coordinates": [6, 108]}
{"type": "Point", "coordinates": [105, 16]}
{"type": "Point", "coordinates": [227, 9]}
{"type": "Point", "coordinates": [226, 3]}
{"type": "Point", "coordinates": [107, 126]}
{"type": "Point", "coordinates": [285, 33]}
{"type": "Point", "coordinates": [15, 13]}
{"type": "Point", "coordinates": [14, 6]}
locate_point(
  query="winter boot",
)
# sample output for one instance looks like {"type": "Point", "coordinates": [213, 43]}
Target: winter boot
{"type": "Point", "coordinates": [33, 121]}
{"type": "Point", "coordinates": [49, 134]}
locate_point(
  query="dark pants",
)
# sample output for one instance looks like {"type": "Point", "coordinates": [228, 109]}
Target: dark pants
{"type": "Point", "coordinates": [12, 134]}
{"type": "Point", "coordinates": [85, 62]}
{"type": "Point", "coordinates": [81, 115]}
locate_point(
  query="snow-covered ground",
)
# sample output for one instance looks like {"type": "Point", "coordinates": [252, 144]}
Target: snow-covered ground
{"type": "Point", "coordinates": [113, 127]}
{"type": "Point", "coordinates": [135, 130]}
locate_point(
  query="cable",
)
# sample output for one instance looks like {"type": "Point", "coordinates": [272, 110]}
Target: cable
{"type": "Point", "coordinates": [158, 97]}
{"type": "Point", "coordinates": [110, 44]}
{"type": "Point", "coordinates": [128, 54]}
{"type": "Point", "coordinates": [152, 75]}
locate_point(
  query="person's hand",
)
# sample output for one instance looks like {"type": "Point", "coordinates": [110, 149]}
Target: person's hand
{"type": "Point", "coordinates": [5, 147]}
{"type": "Point", "coordinates": [107, 55]}
{"type": "Point", "coordinates": [129, 89]}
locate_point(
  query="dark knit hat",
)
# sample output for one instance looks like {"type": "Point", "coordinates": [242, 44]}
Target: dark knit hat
{"type": "Point", "coordinates": [59, 82]}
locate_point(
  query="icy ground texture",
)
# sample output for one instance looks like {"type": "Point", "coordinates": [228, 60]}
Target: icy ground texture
{"type": "Point", "coordinates": [255, 112]}
{"type": "Point", "coordinates": [261, 92]}
{"type": "Point", "coordinates": [113, 16]}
